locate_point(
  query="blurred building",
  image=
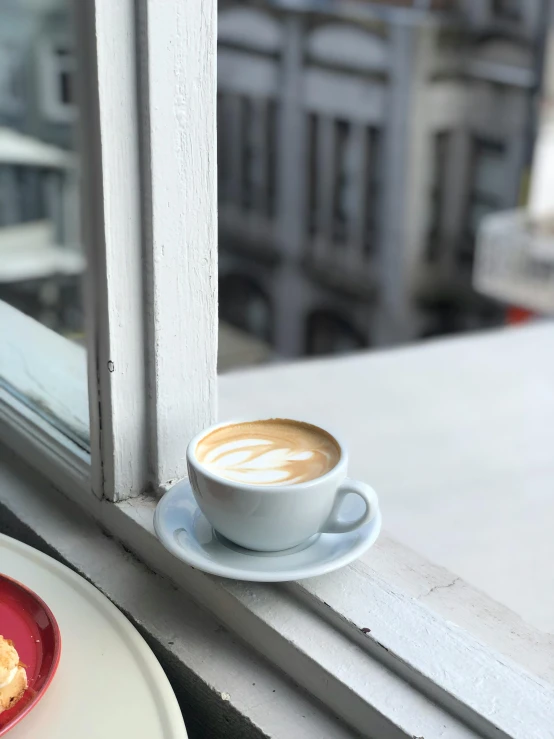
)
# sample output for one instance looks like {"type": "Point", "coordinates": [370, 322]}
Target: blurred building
{"type": "Point", "coordinates": [360, 145]}
{"type": "Point", "coordinates": [40, 255]}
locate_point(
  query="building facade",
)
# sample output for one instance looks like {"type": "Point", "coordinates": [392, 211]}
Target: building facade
{"type": "Point", "coordinates": [40, 255]}
{"type": "Point", "coordinates": [357, 155]}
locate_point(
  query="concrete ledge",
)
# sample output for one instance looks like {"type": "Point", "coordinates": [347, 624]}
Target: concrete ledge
{"type": "Point", "coordinates": [225, 690]}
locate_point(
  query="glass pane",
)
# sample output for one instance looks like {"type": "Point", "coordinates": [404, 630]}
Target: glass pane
{"type": "Point", "coordinates": [41, 256]}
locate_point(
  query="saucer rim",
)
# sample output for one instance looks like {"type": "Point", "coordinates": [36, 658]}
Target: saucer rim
{"type": "Point", "coordinates": [243, 573]}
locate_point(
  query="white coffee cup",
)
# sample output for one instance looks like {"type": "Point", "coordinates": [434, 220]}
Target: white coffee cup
{"type": "Point", "coordinates": [273, 518]}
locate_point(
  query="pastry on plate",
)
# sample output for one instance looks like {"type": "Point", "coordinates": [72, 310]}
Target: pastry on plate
{"type": "Point", "coordinates": [13, 678]}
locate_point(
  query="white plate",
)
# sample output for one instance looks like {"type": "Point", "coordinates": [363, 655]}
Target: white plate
{"type": "Point", "coordinates": [185, 532]}
{"type": "Point", "coordinates": [109, 684]}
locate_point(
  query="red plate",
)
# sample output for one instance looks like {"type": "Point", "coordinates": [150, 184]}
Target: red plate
{"type": "Point", "coordinates": [29, 623]}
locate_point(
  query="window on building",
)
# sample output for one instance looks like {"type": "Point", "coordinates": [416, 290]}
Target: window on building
{"type": "Point", "coordinates": [11, 78]}
{"type": "Point", "coordinates": [439, 189]}
{"type": "Point", "coordinates": [486, 190]}
{"type": "Point", "coordinates": [244, 304]}
{"type": "Point", "coordinates": [247, 131]}
{"type": "Point", "coordinates": [327, 332]}
{"type": "Point", "coordinates": [507, 10]}
{"type": "Point", "coordinates": [344, 168]}
{"type": "Point", "coordinates": [57, 72]}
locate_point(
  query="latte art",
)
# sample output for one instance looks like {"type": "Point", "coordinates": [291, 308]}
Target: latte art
{"type": "Point", "coordinates": [272, 452]}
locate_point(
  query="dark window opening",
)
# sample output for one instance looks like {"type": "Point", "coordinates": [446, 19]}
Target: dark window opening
{"type": "Point", "coordinates": [439, 188]}
{"type": "Point", "coordinates": [244, 304]}
{"type": "Point", "coordinates": [486, 193]}
{"type": "Point", "coordinates": [342, 192]}
{"type": "Point", "coordinates": [247, 153]}
{"type": "Point", "coordinates": [66, 88]}
{"type": "Point", "coordinates": [373, 168]}
{"type": "Point", "coordinates": [507, 10]}
{"type": "Point", "coordinates": [330, 333]}
{"type": "Point", "coordinates": [313, 133]}
{"type": "Point", "coordinates": [353, 169]}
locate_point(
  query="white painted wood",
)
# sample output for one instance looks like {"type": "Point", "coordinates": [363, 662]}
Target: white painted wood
{"type": "Point", "coordinates": [440, 429]}
{"type": "Point", "coordinates": [112, 235]}
{"type": "Point", "coordinates": [135, 445]}
{"type": "Point", "coordinates": [325, 652]}
{"type": "Point", "coordinates": [458, 602]}
{"type": "Point", "coordinates": [348, 46]}
{"type": "Point", "coordinates": [251, 28]}
{"type": "Point", "coordinates": [178, 96]}
{"type": "Point", "coordinates": [401, 627]}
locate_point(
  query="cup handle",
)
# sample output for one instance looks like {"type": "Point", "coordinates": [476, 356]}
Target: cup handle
{"type": "Point", "coordinates": [334, 525]}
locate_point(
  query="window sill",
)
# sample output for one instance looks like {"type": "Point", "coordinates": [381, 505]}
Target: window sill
{"type": "Point", "coordinates": [414, 672]}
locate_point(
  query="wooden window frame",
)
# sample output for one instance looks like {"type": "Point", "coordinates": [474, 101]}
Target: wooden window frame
{"type": "Point", "coordinates": [149, 174]}
{"type": "Point", "coordinates": [151, 243]}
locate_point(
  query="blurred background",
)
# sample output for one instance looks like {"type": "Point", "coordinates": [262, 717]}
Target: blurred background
{"type": "Point", "coordinates": [361, 145]}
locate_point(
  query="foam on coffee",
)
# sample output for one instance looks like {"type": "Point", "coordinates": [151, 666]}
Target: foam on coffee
{"type": "Point", "coordinates": [271, 452]}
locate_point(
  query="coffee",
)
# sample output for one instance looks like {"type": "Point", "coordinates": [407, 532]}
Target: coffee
{"type": "Point", "coordinates": [271, 452]}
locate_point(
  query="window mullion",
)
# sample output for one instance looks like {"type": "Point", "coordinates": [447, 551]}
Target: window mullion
{"type": "Point", "coordinates": [150, 224]}
{"type": "Point", "coordinates": [112, 235]}
{"type": "Point", "coordinates": [177, 47]}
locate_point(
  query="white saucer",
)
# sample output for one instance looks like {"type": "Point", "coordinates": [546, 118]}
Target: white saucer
{"type": "Point", "coordinates": [186, 533]}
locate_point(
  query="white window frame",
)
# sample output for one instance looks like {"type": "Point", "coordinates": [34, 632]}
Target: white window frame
{"type": "Point", "coordinates": [150, 230]}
